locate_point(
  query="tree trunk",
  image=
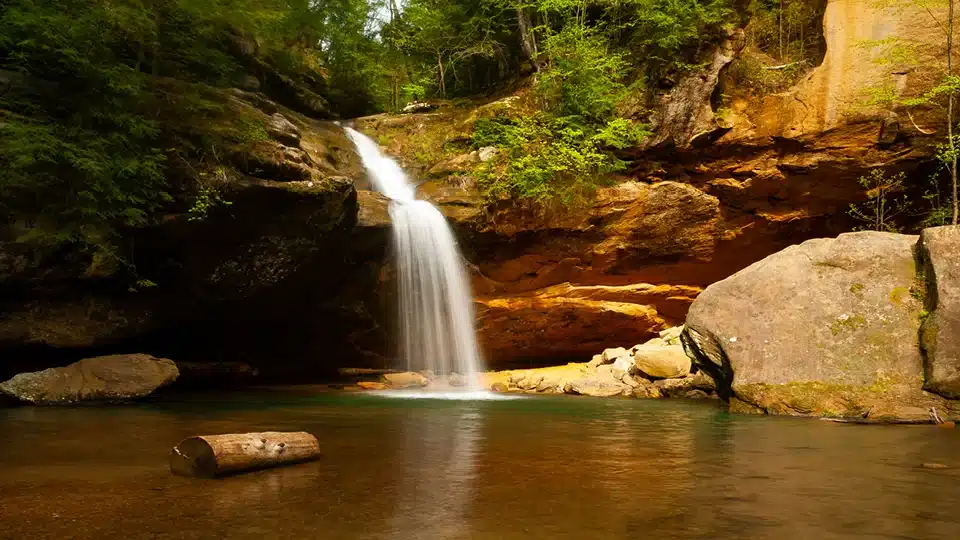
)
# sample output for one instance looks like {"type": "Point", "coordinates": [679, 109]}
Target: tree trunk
{"type": "Point", "coordinates": [780, 32]}
{"type": "Point", "coordinates": [528, 41]}
{"type": "Point", "coordinates": [951, 100]}
{"type": "Point", "coordinates": [209, 456]}
{"type": "Point", "coordinates": [443, 82]}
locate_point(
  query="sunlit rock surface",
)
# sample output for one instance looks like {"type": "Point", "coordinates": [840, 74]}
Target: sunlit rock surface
{"type": "Point", "coordinates": [827, 328]}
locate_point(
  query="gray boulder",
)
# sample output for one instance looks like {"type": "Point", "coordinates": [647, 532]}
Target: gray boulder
{"type": "Point", "coordinates": [940, 334]}
{"type": "Point", "coordinates": [828, 327]}
{"type": "Point", "coordinates": [106, 378]}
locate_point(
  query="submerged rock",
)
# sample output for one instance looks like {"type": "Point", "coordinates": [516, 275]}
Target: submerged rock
{"type": "Point", "coordinates": [827, 327]}
{"type": "Point", "coordinates": [106, 378]}
{"type": "Point", "coordinates": [681, 387]}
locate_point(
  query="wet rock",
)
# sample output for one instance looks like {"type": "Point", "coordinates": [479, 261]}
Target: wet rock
{"type": "Point", "coordinates": [499, 387]}
{"type": "Point", "coordinates": [407, 379]}
{"type": "Point", "coordinates": [940, 332]}
{"type": "Point", "coordinates": [455, 379]}
{"type": "Point", "coordinates": [662, 362]}
{"type": "Point", "coordinates": [283, 130]}
{"type": "Point", "coordinates": [372, 385]}
{"type": "Point", "coordinates": [646, 390]}
{"type": "Point", "coordinates": [106, 378]}
{"type": "Point", "coordinates": [679, 387]}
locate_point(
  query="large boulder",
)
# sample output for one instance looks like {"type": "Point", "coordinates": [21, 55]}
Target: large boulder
{"type": "Point", "coordinates": [938, 250]}
{"type": "Point", "coordinates": [828, 327]}
{"type": "Point", "coordinates": [662, 361]}
{"type": "Point", "coordinates": [106, 378]}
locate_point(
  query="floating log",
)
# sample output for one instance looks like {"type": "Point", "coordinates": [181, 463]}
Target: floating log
{"type": "Point", "coordinates": [208, 456]}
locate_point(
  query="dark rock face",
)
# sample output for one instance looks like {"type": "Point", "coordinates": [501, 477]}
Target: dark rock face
{"type": "Point", "coordinates": [107, 378]}
{"type": "Point", "coordinates": [284, 278]}
{"type": "Point", "coordinates": [940, 334]}
{"type": "Point", "coordinates": [826, 328]}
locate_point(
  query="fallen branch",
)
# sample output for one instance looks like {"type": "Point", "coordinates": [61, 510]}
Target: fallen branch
{"type": "Point", "coordinates": [784, 66]}
{"type": "Point", "coordinates": [920, 129]}
{"type": "Point", "coordinates": [208, 456]}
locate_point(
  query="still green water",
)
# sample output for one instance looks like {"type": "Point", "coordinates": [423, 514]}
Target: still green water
{"type": "Point", "coordinates": [542, 467]}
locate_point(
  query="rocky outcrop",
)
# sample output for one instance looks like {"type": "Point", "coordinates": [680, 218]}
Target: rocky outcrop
{"type": "Point", "coordinates": [277, 271]}
{"type": "Point", "coordinates": [610, 373]}
{"type": "Point", "coordinates": [827, 328]}
{"type": "Point", "coordinates": [940, 333]}
{"type": "Point", "coordinates": [105, 378]}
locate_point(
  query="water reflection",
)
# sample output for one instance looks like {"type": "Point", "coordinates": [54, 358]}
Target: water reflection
{"type": "Point", "coordinates": [437, 473]}
{"type": "Point", "coordinates": [545, 468]}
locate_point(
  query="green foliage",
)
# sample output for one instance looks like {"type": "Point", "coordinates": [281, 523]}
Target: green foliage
{"type": "Point", "coordinates": [885, 202]}
{"type": "Point", "coordinates": [546, 159]}
{"type": "Point", "coordinates": [110, 102]}
{"type": "Point", "coordinates": [206, 200]}
{"type": "Point", "coordinates": [584, 76]}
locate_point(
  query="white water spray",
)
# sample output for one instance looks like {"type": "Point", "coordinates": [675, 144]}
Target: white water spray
{"type": "Point", "coordinates": [436, 310]}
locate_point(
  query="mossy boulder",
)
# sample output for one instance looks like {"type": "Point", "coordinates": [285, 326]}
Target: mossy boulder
{"type": "Point", "coordinates": [824, 328]}
{"type": "Point", "coordinates": [106, 378]}
{"type": "Point", "coordinates": [940, 335]}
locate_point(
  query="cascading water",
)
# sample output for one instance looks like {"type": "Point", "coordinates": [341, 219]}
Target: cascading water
{"type": "Point", "coordinates": [436, 311]}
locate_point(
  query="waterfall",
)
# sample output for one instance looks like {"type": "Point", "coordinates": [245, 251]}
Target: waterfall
{"type": "Point", "coordinates": [436, 310]}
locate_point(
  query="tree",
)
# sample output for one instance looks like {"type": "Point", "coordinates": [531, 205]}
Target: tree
{"type": "Point", "coordinates": [944, 87]}
{"type": "Point", "coordinates": [885, 201]}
